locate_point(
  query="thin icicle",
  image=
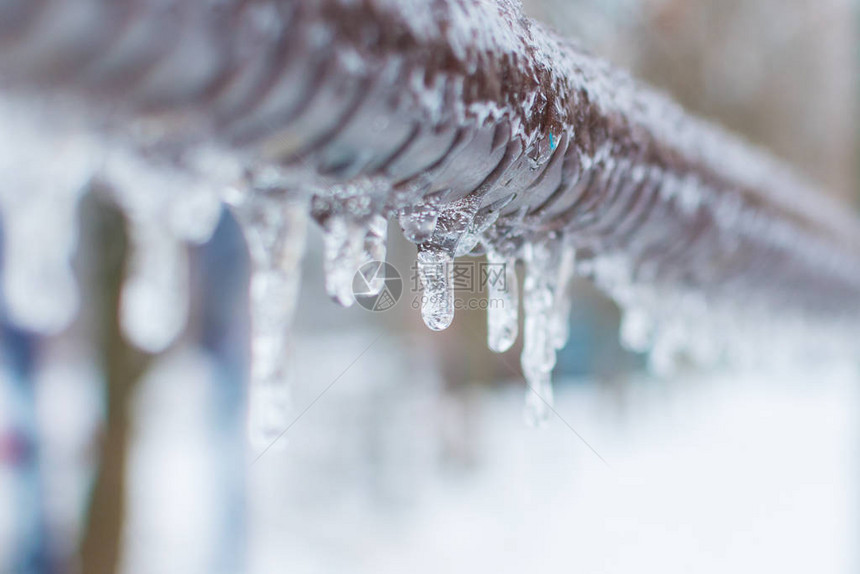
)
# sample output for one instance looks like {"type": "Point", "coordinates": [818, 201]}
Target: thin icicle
{"type": "Point", "coordinates": [538, 356]}
{"type": "Point", "coordinates": [344, 241]}
{"type": "Point", "coordinates": [154, 304]}
{"type": "Point", "coordinates": [436, 268]}
{"type": "Point", "coordinates": [503, 302]}
{"type": "Point", "coordinates": [275, 229]}
{"type": "Point", "coordinates": [375, 250]}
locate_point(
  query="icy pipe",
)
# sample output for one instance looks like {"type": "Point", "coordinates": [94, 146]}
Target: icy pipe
{"type": "Point", "coordinates": [477, 128]}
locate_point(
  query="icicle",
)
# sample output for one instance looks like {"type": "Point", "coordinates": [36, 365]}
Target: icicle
{"type": "Point", "coordinates": [538, 356]}
{"type": "Point", "coordinates": [503, 302]}
{"type": "Point", "coordinates": [436, 261]}
{"type": "Point", "coordinates": [154, 304]}
{"type": "Point", "coordinates": [435, 268]}
{"type": "Point", "coordinates": [274, 228]}
{"type": "Point", "coordinates": [40, 234]}
{"type": "Point", "coordinates": [560, 318]}
{"type": "Point", "coordinates": [345, 253]}
{"type": "Point", "coordinates": [155, 300]}
{"type": "Point", "coordinates": [45, 164]}
{"type": "Point", "coordinates": [375, 250]}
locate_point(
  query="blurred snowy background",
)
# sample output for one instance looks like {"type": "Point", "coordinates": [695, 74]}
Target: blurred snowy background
{"type": "Point", "coordinates": [405, 450]}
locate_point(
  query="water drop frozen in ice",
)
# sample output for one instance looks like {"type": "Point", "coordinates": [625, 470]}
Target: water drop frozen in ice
{"type": "Point", "coordinates": [503, 302]}
{"type": "Point", "coordinates": [436, 268]}
{"type": "Point", "coordinates": [418, 222]}
{"type": "Point", "coordinates": [538, 356]}
{"type": "Point", "coordinates": [274, 227]}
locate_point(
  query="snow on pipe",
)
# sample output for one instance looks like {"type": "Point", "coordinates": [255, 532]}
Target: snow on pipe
{"type": "Point", "coordinates": [475, 128]}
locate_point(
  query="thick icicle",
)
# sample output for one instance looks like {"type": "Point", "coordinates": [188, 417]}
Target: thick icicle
{"type": "Point", "coordinates": [274, 228]}
{"type": "Point", "coordinates": [436, 261]}
{"type": "Point", "coordinates": [436, 268]}
{"type": "Point", "coordinates": [503, 302]}
{"type": "Point", "coordinates": [45, 165]}
{"type": "Point", "coordinates": [538, 356]}
{"type": "Point", "coordinates": [154, 305]}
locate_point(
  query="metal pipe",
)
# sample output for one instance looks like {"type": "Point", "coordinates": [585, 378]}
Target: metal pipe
{"type": "Point", "coordinates": [448, 99]}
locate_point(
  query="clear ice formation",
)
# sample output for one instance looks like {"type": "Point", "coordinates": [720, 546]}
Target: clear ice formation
{"type": "Point", "coordinates": [435, 269]}
{"type": "Point", "coordinates": [274, 225]}
{"type": "Point", "coordinates": [344, 254]}
{"type": "Point", "coordinates": [503, 303]}
{"type": "Point", "coordinates": [540, 326]}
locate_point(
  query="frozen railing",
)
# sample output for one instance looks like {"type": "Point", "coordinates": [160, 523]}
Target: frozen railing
{"type": "Point", "coordinates": [474, 127]}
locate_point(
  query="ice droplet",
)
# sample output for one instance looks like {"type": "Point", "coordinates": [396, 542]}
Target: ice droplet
{"type": "Point", "coordinates": [503, 302]}
{"type": "Point", "coordinates": [436, 268]}
{"type": "Point", "coordinates": [154, 303]}
{"type": "Point", "coordinates": [538, 356]}
{"type": "Point", "coordinates": [274, 227]}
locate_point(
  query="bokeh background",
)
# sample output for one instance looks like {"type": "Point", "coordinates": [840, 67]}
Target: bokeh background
{"type": "Point", "coordinates": [405, 450]}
